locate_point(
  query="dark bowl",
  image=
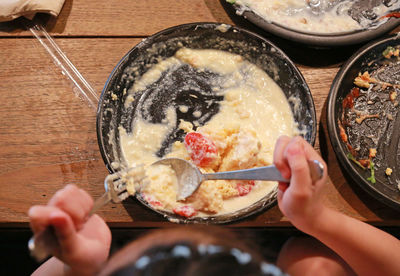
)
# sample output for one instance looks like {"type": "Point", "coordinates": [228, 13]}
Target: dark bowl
{"type": "Point", "coordinates": [318, 39]}
{"type": "Point", "coordinates": [112, 113]}
{"type": "Point", "coordinates": [385, 189]}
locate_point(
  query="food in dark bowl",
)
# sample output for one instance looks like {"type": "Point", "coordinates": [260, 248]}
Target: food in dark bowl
{"type": "Point", "coordinates": [363, 118]}
{"type": "Point", "coordinates": [186, 92]}
{"type": "Point", "coordinates": [326, 23]}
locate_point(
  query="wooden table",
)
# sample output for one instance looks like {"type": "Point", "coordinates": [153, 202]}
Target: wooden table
{"type": "Point", "coordinates": [48, 135]}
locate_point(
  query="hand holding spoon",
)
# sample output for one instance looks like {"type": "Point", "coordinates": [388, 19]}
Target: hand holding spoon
{"type": "Point", "coordinates": [189, 176]}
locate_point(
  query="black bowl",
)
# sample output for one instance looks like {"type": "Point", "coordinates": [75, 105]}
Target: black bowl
{"type": "Point", "coordinates": [112, 113]}
{"type": "Point", "coordinates": [368, 58]}
{"type": "Point", "coordinates": [319, 39]}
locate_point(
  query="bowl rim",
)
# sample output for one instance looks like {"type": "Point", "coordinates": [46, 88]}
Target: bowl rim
{"type": "Point", "coordinates": [320, 39]}
{"type": "Point", "coordinates": [333, 130]}
{"type": "Point", "coordinates": [171, 29]}
{"type": "Point", "coordinates": [223, 218]}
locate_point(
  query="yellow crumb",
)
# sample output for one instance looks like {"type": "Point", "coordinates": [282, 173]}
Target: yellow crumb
{"type": "Point", "coordinates": [372, 152]}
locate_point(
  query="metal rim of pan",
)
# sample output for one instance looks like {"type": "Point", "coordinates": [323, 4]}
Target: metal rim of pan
{"type": "Point", "coordinates": [368, 53]}
{"type": "Point", "coordinates": [106, 103]}
{"type": "Point", "coordinates": [320, 40]}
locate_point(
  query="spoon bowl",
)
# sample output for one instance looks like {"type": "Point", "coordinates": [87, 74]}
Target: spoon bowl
{"type": "Point", "coordinates": [190, 177]}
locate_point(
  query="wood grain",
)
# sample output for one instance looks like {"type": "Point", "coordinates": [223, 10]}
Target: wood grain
{"type": "Point", "coordinates": [48, 135]}
{"type": "Point", "coordinates": [124, 18]}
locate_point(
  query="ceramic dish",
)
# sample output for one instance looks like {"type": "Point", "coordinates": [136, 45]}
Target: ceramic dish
{"type": "Point", "coordinates": [323, 39]}
{"type": "Point", "coordinates": [363, 123]}
{"type": "Point", "coordinates": [111, 111]}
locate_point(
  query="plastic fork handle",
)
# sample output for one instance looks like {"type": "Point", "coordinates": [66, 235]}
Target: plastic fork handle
{"type": "Point", "coordinates": [270, 173]}
{"type": "Point", "coordinates": [100, 202]}
{"type": "Point", "coordinates": [41, 245]}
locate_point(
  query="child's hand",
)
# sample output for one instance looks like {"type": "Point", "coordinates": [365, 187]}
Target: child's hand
{"type": "Point", "coordinates": [83, 243]}
{"type": "Point", "coordinates": [301, 200]}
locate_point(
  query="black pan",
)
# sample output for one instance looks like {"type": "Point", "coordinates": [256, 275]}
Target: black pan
{"type": "Point", "coordinates": [112, 113]}
{"type": "Point", "coordinates": [359, 9]}
{"type": "Point", "coordinates": [369, 58]}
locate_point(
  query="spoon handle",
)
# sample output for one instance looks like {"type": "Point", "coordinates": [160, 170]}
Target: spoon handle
{"type": "Point", "coordinates": [270, 173]}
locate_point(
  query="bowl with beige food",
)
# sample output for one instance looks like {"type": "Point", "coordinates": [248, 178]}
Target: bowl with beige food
{"type": "Point", "coordinates": [321, 23]}
{"type": "Point", "coordinates": [213, 94]}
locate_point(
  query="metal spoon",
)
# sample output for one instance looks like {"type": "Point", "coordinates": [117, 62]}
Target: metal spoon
{"type": "Point", "coordinates": [359, 10]}
{"type": "Point", "coordinates": [318, 7]}
{"type": "Point", "coordinates": [189, 176]}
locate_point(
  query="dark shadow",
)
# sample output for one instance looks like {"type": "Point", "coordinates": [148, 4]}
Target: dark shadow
{"type": "Point", "coordinates": [229, 13]}
{"type": "Point", "coordinates": [138, 212]}
{"type": "Point", "coordinates": [218, 14]}
{"type": "Point", "coordinates": [14, 251]}
{"type": "Point", "coordinates": [149, 218]}
{"type": "Point", "coordinates": [298, 53]}
{"type": "Point", "coordinates": [267, 241]}
{"type": "Point", "coordinates": [12, 27]}
{"type": "Point", "coordinates": [56, 25]}
{"type": "Point", "coordinates": [323, 143]}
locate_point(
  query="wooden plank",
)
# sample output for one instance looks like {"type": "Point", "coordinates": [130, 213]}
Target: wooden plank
{"type": "Point", "coordinates": [138, 18]}
{"type": "Point", "coordinates": [125, 18]}
{"type": "Point", "coordinates": [48, 136]}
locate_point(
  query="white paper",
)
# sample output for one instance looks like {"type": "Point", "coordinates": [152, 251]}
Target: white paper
{"type": "Point", "coordinates": [11, 9]}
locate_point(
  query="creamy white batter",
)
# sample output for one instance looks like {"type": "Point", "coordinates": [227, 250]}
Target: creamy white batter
{"type": "Point", "coordinates": [253, 114]}
{"type": "Point", "coordinates": [297, 14]}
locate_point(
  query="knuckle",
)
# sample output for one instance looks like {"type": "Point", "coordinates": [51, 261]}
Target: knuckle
{"type": "Point", "coordinates": [61, 196]}
{"type": "Point", "coordinates": [283, 138]}
{"type": "Point", "coordinates": [298, 139]}
{"type": "Point", "coordinates": [279, 164]}
{"type": "Point", "coordinates": [300, 196]}
{"type": "Point", "coordinates": [293, 149]}
{"type": "Point", "coordinates": [60, 202]}
{"type": "Point", "coordinates": [57, 198]}
{"type": "Point", "coordinates": [70, 188]}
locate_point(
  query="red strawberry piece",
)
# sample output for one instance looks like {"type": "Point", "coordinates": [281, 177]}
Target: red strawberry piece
{"type": "Point", "coordinates": [244, 187]}
{"type": "Point", "coordinates": [201, 149]}
{"type": "Point", "coordinates": [152, 201]}
{"type": "Point", "coordinates": [185, 211]}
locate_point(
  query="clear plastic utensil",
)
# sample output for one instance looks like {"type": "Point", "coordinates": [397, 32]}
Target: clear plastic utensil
{"type": "Point", "coordinates": [81, 87]}
{"type": "Point", "coordinates": [189, 176]}
{"type": "Point", "coordinates": [42, 244]}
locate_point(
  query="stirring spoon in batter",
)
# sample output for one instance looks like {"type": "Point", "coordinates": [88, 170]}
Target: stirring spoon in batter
{"type": "Point", "coordinates": [189, 176]}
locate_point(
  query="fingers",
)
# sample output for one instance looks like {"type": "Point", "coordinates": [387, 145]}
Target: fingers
{"type": "Point", "coordinates": [296, 158]}
{"type": "Point", "coordinates": [67, 212]}
{"type": "Point", "coordinates": [312, 154]}
{"type": "Point", "coordinates": [96, 227]}
{"type": "Point", "coordinates": [64, 230]}
{"type": "Point", "coordinates": [309, 151]}
{"type": "Point", "coordinates": [280, 160]}
{"type": "Point", "coordinates": [75, 202]}
{"type": "Point", "coordinates": [282, 187]}
{"type": "Point", "coordinates": [291, 157]}
{"type": "Point", "coordinates": [41, 217]}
